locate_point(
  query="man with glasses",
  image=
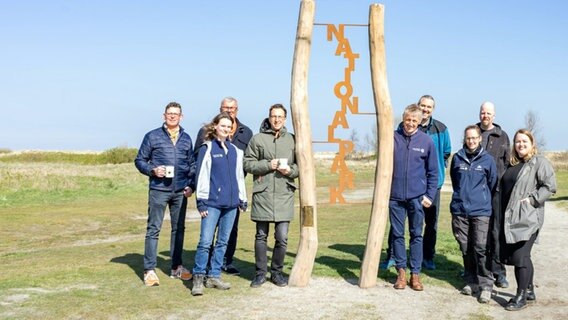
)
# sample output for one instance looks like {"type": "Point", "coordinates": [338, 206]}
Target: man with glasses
{"type": "Point", "coordinates": [166, 157]}
{"type": "Point", "coordinates": [271, 158]}
{"type": "Point", "coordinates": [240, 136]}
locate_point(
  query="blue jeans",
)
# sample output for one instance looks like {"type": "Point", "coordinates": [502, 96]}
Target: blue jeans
{"type": "Point", "coordinates": [157, 202]}
{"type": "Point", "coordinates": [224, 218]}
{"type": "Point", "coordinates": [398, 210]}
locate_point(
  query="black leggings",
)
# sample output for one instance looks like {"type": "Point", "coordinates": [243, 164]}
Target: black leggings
{"type": "Point", "coordinates": [520, 257]}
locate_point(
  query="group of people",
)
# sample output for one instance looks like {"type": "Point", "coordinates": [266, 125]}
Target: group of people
{"type": "Point", "coordinates": [214, 169]}
{"type": "Point", "coordinates": [497, 203]}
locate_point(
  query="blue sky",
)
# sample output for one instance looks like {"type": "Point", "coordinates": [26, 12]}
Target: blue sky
{"type": "Point", "coordinates": [93, 75]}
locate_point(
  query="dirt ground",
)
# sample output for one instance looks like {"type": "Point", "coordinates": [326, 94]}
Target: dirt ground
{"type": "Point", "coordinates": [327, 298]}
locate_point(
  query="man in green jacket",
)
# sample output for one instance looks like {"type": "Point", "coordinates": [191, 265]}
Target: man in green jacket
{"type": "Point", "coordinates": [270, 157]}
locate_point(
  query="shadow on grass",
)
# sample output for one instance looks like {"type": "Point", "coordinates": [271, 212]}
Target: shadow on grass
{"type": "Point", "coordinates": [554, 199]}
{"type": "Point", "coordinates": [446, 271]}
{"type": "Point", "coordinates": [136, 262]}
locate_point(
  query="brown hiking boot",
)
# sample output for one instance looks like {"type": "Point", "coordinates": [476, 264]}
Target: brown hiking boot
{"type": "Point", "coordinates": [415, 283]}
{"type": "Point", "coordinates": [401, 279]}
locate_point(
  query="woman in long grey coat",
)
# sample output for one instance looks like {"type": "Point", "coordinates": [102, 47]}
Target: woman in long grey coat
{"type": "Point", "coordinates": [270, 157]}
{"type": "Point", "coordinates": [525, 186]}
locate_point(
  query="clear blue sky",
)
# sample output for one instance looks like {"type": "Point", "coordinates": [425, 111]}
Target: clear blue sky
{"type": "Point", "coordinates": [92, 75]}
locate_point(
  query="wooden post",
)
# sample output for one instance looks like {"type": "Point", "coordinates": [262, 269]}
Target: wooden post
{"type": "Point", "coordinates": [307, 249]}
{"type": "Point", "coordinates": [383, 173]}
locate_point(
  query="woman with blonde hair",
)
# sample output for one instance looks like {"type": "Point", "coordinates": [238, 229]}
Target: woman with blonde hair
{"type": "Point", "coordinates": [526, 184]}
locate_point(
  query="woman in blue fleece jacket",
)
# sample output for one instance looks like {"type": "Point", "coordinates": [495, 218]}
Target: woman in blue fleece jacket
{"type": "Point", "coordinates": [220, 191]}
{"type": "Point", "coordinates": [474, 177]}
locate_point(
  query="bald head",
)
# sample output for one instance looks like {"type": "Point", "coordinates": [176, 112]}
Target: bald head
{"type": "Point", "coordinates": [487, 115]}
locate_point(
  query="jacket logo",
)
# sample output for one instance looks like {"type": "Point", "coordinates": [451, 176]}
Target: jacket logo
{"type": "Point", "coordinates": [218, 155]}
{"type": "Point", "coordinates": [421, 150]}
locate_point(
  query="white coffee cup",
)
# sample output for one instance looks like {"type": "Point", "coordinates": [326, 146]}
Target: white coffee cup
{"type": "Point", "coordinates": [282, 163]}
{"type": "Point", "coordinates": [169, 171]}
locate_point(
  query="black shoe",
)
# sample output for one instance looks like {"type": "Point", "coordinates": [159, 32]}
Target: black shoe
{"type": "Point", "coordinates": [518, 302]}
{"type": "Point", "coordinates": [278, 279]}
{"type": "Point", "coordinates": [502, 282]}
{"type": "Point", "coordinates": [230, 269]}
{"type": "Point", "coordinates": [531, 296]}
{"type": "Point", "coordinates": [258, 280]}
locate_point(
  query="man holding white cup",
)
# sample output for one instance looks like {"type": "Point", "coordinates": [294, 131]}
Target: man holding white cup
{"type": "Point", "coordinates": [271, 158]}
{"type": "Point", "coordinates": [166, 157]}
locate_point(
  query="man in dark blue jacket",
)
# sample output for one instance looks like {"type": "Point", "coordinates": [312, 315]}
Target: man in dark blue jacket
{"type": "Point", "coordinates": [166, 157]}
{"type": "Point", "coordinates": [240, 136]}
{"type": "Point", "coordinates": [414, 185]}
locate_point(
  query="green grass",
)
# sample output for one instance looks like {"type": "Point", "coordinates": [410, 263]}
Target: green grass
{"type": "Point", "coordinates": [73, 238]}
{"type": "Point", "coordinates": [111, 156]}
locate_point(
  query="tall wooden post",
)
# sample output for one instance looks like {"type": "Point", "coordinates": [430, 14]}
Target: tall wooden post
{"type": "Point", "coordinates": [305, 258]}
{"type": "Point", "coordinates": [383, 173]}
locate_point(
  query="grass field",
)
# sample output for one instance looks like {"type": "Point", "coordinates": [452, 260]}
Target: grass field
{"type": "Point", "coordinates": [73, 236]}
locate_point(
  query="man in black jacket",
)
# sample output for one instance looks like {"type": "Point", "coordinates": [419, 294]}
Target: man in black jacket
{"type": "Point", "coordinates": [496, 141]}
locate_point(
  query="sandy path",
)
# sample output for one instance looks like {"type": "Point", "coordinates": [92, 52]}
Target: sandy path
{"type": "Point", "coordinates": [327, 298]}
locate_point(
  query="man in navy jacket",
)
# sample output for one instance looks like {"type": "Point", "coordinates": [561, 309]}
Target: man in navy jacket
{"type": "Point", "coordinates": [166, 157]}
{"type": "Point", "coordinates": [414, 186]}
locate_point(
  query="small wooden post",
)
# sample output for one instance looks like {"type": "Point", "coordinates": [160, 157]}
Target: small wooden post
{"type": "Point", "coordinates": [383, 173]}
{"type": "Point", "coordinates": [307, 249]}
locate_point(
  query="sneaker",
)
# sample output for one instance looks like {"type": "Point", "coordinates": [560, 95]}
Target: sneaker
{"type": "Point", "coordinates": [217, 283]}
{"type": "Point", "coordinates": [278, 279]}
{"type": "Point", "coordinates": [429, 264]}
{"type": "Point", "coordinates": [387, 264]}
{"type": "Point", "coordinates": [469, 289]}
{"type": "Point", "coordinates": [502, 282]}
{"type": "Point", "coordinates": [230, 269]}
{"type": "Point", "coordinates": [258, 280]}
{"type": "Point", "coordinates": [151, 278]}
{"type": "Point", "coordinates": [485, 296]}
{"type": "Point", "coordinates": [180, 273]}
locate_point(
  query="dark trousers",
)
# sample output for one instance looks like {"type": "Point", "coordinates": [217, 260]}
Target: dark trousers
{"type": "Point", "coordinates": [472, 235]}
{"type": "Point", "coordinates": [431, 227]}
{"type": "Point", "coordinates": [232, 245]}
{"type": "Point", "coordinates": [261, 246]}
{"type": "Point", "coordinates": [497, 267]}
{"type": "Point", "coordinates": [157, 203]}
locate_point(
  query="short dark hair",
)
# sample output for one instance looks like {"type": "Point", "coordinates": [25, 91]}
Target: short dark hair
{"type": "Point", "coordinates": [173, 105]}
{"type": "Point", "coordinates": [426, 96]}
{"type": "Point", "coordinates": [277, 106]}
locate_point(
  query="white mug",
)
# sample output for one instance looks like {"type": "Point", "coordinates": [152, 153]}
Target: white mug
{"type": "Point", "coordinates": [169, 171]}
{"type": "Point", "coordinates": [282, 163]}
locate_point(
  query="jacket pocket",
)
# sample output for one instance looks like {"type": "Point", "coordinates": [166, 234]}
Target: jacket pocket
{"type": "Point", "coordinates": [525, 217]}
{"type": "Point", "coordinates": [291, 186]}
{"type": "Point", "coordinates": [259, 185]}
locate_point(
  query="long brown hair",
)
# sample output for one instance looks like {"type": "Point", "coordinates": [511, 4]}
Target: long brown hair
{"type": "Point", "coordinates": [210, 133]}
{"type": "Point", "coordinates": [515, 158]}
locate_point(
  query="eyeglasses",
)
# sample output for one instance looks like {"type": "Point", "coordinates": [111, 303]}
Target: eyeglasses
{"type": "Point", "coordinates": [471, 138]}
{"type": "Point", "coordinates": [228, 108]}
{"type": "Point", "coordinates": [278, 117]}
{"type": "Point", "coordinates": [173, 114]}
